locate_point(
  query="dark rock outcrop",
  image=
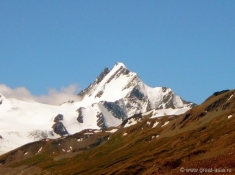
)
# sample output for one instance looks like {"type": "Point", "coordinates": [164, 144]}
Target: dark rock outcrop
{"type": "Point", "coordinates": [80, 115]}
{"type": "Point", "coordinates": [58, 127]}
{"type": "Point", "coordinates": [99, 94]}
{"type": "Point", "coordinates": [97, 81]}
{"type": "Point", "coordinates": [101, 121]}
{"type": "Point", "coordinates": [115, 109]}
{"type": "Point", "coordinates": [135, 93]}
{"type": "Point", "coordinates": [58, 118]}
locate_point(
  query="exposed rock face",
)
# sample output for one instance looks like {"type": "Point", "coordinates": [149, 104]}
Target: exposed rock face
{"type": "Point", "coordinates": [115, 109]}
{"type": "Point", "coordinates": [102, 75]}
{"type": "Point", "coordinates": [97, 81]}
{"type": "Point", "coordinates": [58, 118]}
{"type": "Point", "coordinates": [171, 100]}
{"type": "Point", "coordinates": [136, 93]}
{"type": "Point", "coordinates": [80, 115]}
{"type": "Point", "coordinates": [58, 127]}
{"type": "Point", "coordinates": [101, 121]}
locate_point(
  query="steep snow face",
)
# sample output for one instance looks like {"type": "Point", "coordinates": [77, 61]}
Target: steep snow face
{"type": "Point", "coordinates": [101, 115]}
{"type": "Point", "coordinates": [109, 86]}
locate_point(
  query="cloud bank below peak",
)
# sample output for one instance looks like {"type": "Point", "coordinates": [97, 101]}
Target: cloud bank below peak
{"type": "Point", "coordinates": [53, 96]}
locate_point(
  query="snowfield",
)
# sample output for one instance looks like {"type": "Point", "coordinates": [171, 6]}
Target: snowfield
{"type": "Point", "coordinates": [24, 122]}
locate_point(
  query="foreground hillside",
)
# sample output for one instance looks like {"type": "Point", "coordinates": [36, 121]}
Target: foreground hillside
{"type": "Point", "coordinates": [203, 137]}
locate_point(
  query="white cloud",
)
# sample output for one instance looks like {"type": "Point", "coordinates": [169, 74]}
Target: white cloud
{"type": "Point", "coordinates": [53, 96]}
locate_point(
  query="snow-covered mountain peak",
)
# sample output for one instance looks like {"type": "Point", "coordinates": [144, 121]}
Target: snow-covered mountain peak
{"type": "Point", "coordinates": [114, 96]}
{"type": "Point", "coordinates": [110, 85]}
{"type": "Point", "coordinates": [119, 64]}
{"type": "Point", "coordinates": [122, 91]}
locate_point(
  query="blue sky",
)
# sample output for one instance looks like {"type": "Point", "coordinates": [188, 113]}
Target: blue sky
{"type": "Point", "coordinates": [188, 46]}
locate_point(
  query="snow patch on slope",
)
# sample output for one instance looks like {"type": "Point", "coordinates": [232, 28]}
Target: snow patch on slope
{"type": "Point", "coordinates": [164, 112]}
{"type": "Point", "coordinates": [155, 124]}
{"type": "Point", "coordinates": [165, 123]}
{"type": "Point", "coordinates": [131, 121]}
